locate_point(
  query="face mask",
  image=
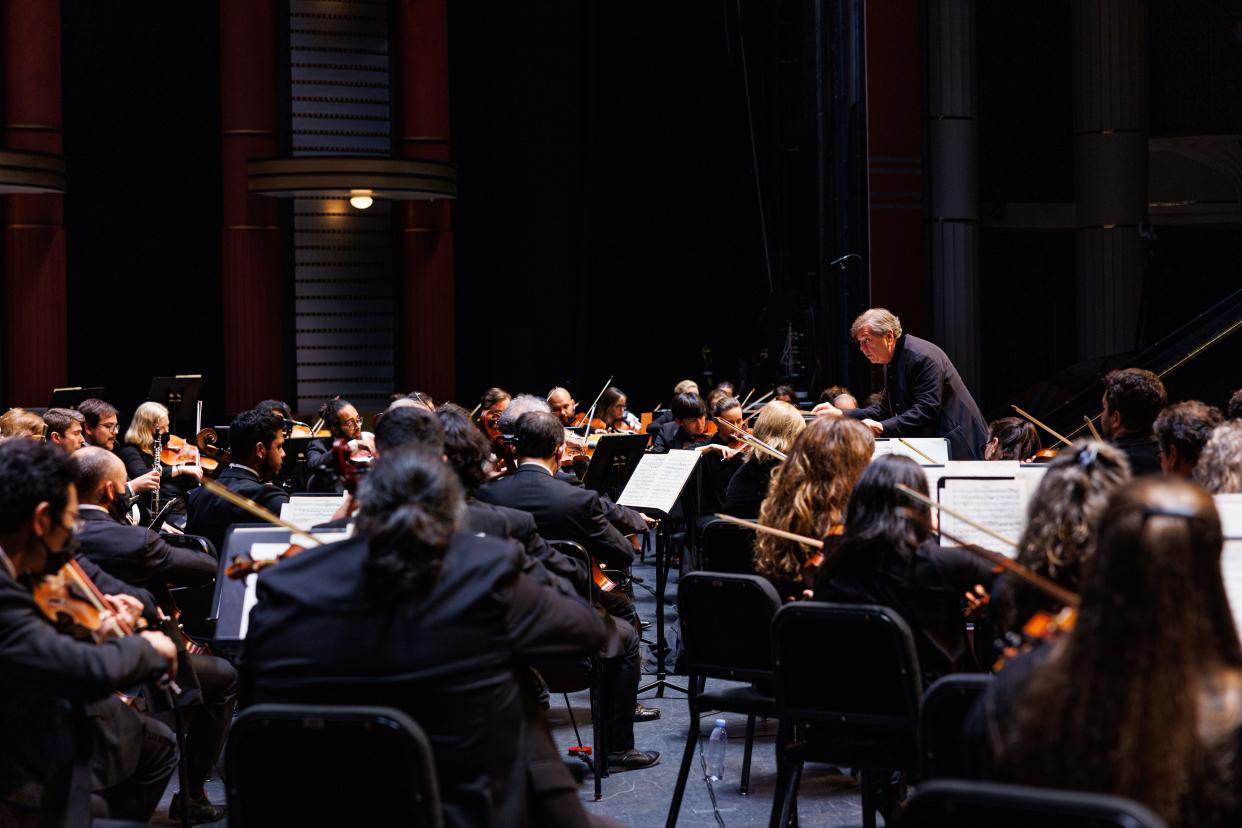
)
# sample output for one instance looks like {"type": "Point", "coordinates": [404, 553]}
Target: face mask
{"type": "Point", "coordinates": [119, 507]}
{"type": "Point", "coordinates": [56, 560]}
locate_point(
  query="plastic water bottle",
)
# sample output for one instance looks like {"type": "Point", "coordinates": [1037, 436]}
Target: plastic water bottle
{"type": "Point", "coordinates": [716, 751]}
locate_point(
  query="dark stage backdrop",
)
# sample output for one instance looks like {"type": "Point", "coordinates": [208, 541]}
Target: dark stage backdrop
{"type": "Point", "coordinates": [606, 219]}
{"type": "Point", "coordinates": [142, 210]}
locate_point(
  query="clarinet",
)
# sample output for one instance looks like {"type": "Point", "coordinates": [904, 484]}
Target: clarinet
{"type": "Point", "coordinates": [157, 445]}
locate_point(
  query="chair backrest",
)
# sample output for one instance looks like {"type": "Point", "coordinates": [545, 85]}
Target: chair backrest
{"type": "Point", "coordinates": [960, 804]}
{"type": "Point", "coordinates": [725, 624]}
{"type": "Point", "coordinates": [945, 706]}
{"type": "Point", "coordinates": [853, 669]}
{"type": "Point", "coordinates": [375, 762]}
{"type": "Point", "coordinates": [726, 547]}
{"type": "Point", "coordinates": [578, 554]}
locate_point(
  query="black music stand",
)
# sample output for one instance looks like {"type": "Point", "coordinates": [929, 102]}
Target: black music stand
{"type": "Point", "coordinates": [175, 392]}
{"type": "Point", "coordinates": [71, 397]}
{"type": "Point", "coordinates": [613, 461]}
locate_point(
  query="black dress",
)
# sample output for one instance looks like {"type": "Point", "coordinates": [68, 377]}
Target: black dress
{"type": "Point", "coordinates": [747, 488]}
{"type": "Point", "coordinates": [137, 463]}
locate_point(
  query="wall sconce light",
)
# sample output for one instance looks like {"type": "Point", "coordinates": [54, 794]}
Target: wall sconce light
{"type": "Point", "coordinates": [360, 199]}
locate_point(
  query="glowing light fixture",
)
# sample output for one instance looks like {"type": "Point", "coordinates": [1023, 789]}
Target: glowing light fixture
{"type": "Point", "coordinates": [360, 199]}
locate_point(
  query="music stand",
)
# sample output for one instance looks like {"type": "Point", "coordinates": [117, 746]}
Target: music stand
{"type": "Point", "coordinates": [613, 461]}
{"type": "Point", "coordinates": [71, 397]}
{"type": "Point", "coordinates": [174, 392]}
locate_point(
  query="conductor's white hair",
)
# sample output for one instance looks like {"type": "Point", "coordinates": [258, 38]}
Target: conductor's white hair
{"type": "Point", "coordinates": [879, 320]}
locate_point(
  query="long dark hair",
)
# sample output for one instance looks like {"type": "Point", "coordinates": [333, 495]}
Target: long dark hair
{"type": "Point", "coordinates": [409, 506]}
{"type": "Point", "coordinates": [1116, 708]}
{"type": "Point", "coordinates": [465, 446]}
{"type": "Point", "coordinates": [880, 520]}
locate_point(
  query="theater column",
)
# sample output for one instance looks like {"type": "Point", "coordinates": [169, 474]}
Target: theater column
{"type": "Point", "coordinates": [425, 237]}
{"type": "Point", "coordinates": [1111, 90]}
{"type": "Point", "coordinates": [35, 341]}
{"type": "Point", "coordinates": [953, 185]}
{"type": "Point", "coordinates": [253, 316]}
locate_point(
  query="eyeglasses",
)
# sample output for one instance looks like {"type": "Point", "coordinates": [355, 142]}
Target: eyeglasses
{"type": "Point", "coordinates": [111, 428]}
{"type": "Point", "coordinates": [352, 421]}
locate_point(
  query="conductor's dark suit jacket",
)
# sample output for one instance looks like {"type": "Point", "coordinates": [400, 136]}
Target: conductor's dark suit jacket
{"type": "Point", "coordinates": [925, 397]}
{"type": "Point", "coordinates": [138, 556]}
{"type": "Point", "coordinates": [47, 682]}
{"type": "Point", "coordinates": [211, 516]}
{"type": "Point", "coordinates": [562, 512]}
{"type": "Point", "coordinates": [453, 659]}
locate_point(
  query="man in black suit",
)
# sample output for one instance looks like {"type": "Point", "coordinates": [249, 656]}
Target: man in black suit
{"type": "Point", "coordinates": [688, 426]}
{"type": "Point", "coordinates": [1132, 400]}
{"type": "Point", "coordinates": [57, 702]}
{"type": "Point", "coordinates": [566, 512]}
{"type": "Point", "coordinates": [256, 441]}
{"type": "Point", "coordinates": [453, 616]}
{"type": "Point", "coordinates": [924, 394]}
{"type": "Point", "coordinates": [143, 558]}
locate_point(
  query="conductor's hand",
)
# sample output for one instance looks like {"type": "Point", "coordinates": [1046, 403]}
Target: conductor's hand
{"type": "Point", "coordinates": [874, 426]}
{"type": "Point", "coordinates": [826, 409]}
{"type": "Point", "coordinates": [162, 644]}
{"type": "Point", "coordinates": [148, 482]}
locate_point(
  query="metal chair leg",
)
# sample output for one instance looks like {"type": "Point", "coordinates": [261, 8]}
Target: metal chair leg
{"type": "Point", "coordinates": [789, 804]}
{"type": "Point", "coordinates": [744, 787]}
{"type": "Point", "coordinates": [598, 757]}
{"type": "Point", "coordinates": [867, 778]}
{"type": "Point", "coordinates": [683, 773]}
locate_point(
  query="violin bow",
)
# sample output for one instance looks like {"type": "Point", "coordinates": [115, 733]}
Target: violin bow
{"type": "Point", "coordinates": [748, 396]}
{"type": "Point", "coordinates": [750, 439]}
{"type": "Point", "coordinates": [255, 509]}
{"type": "Point", "coordinates": [1052, 589]}
{"type": "Point", "coordinates": [1090, 425]}
{"type": "Point", "coordinates": [1027, 416]}
{"type": "Point", "coordinates": [916, 450]}
{"type": "Point", "coordinates": [591, 411]}
{"type": "Point", "coordinates": [771, 530]}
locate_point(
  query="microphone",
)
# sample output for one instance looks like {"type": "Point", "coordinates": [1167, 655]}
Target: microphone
{"type": "Point", "coordinates": [840, 261]}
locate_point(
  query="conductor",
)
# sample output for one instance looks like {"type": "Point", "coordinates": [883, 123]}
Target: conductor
{"type": "Point", "coordinates": [924, 395]}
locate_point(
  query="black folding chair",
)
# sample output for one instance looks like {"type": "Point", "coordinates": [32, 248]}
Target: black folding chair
{"type": "Point", "coordinates": [725, 621]}
{"type": "Point", "coordinates": [726, 547]}
{"type": "Point", "coordinates": [847, 693]}
{"type": "Point", "coordinates": [953, 803]}
{"type": "Point", "coordinates": [584, 674]}
{"type": "Point", "coordinates": [194, 602]}
{"type": "Point", "coordinates": [376, 762]}
{"type": "Point", "coordinates": [945, 707]}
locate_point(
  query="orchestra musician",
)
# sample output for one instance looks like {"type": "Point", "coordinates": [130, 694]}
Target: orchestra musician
{"type": "Point", "coordinates": [924, 394]}
{"type": "Point", "coordinates": [144, 470]}
{"type": "Point", "coordinates": [722, 463]}
{"type": "Point", "coordinates": [1132, 399]}
{"type": "Point", "coordinates": [64, 428]}
{"type": "Point", "coordinates": [1011, 438]}
{"type": "Point", "coordinates": [1182, 430]}
{"type": "Point", "coordinates": [839, 396]}
{"type": "Point", "coordinates": [564, 406]}
{"type": "Point", "coordinates": [337, 615]}
{"type": "Point", "coordinates": [20, 423]}
{"type": "Point", "coordinates": [1219, 470]}
{"type": "Point", "coordinates": [777, 425]}
{"type": "Point", "coordinates": [684, 387]}
{"type": "Point", "coordinates": [58, 708]}
{"type": "Point", "coordinates": [344, 423]}
{"type": "Point", "coordinates": [688, 426]}
{"type": "Point", "coordinates": [257, 447]}
{"type": "Point", "coordinates": [612, 412]}
{"type": "Point", "coordinates": [808, 496]}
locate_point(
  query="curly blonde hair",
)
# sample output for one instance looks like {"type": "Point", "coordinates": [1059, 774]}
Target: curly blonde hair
{"type": "Point", "coordinates": [810, 491]}
{"type": "Point", "coordinates": [1219, 470]}
{"type": "Point", "coordinates": [18, 422]}
{"type": "Point", "coordinates": [778, 425]}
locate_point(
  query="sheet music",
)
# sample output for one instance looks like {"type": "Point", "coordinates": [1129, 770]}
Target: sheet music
{"type": "Point", "coordinates": [1231, 574]}
{"type": "Point", "coordinates": [658, 480]}
{"type": "Point", "coordinates": [997, 504]}
{"type": "Point", "coordinates": [270, 552]}
{"type": "Point", "coordinates": [1230, 508]}
{"type": "Point", "coordinates": [934, 447]}
{"type": "Point", "coordinates": [306, 512]}
{"type": "Point", "coordinates": [970, 468]}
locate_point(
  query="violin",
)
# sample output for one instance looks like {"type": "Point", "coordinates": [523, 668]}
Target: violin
{"type": "Point", "coordinates": [297, 429]}
{"type": "Point", "coordinates": [241, 567]}
{"type": "Point", "coordinates": [77, 608]}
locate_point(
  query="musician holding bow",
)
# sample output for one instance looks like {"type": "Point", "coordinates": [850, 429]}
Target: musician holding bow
{"type": "Point", "coordinates": [924, 395]}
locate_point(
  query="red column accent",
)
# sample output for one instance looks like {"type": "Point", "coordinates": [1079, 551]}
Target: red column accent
{"type": "Point", "coordinates": [36, 344]}
{"type": "Point", "coordinates": [894, 161]}
{"type": "Point", "coordinates": [425, 243]}
{"type": "Point", "coordinates": [252, 279]}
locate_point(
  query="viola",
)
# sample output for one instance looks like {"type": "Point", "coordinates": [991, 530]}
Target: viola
{"type": "Point", "coordinates": [177, 451]}
{"type": "Point", "coordinates": [77, 608]}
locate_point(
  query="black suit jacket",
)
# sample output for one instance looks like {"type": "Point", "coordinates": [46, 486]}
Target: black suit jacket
{"type": "Point", "coordinates": [137, 464]}
{"type": "Point", "coordinates": [211, 517]}
{"type": "Point", "coordinates": [140, 557]}
{"type": "Point", "coordinates": [925, 397]}
{"type": "Point", "coordinates": [672, 436]}
{"type": "Point", "coordinates": [562, 512]}
{"type": "Point", "coordinates": [1142, 450]}
{"type": "Point", "coordinates": [453, 658]}
{"type": "Point", "coordinates": [547, 565]}
{"type": "Point", "coordinates": [45, 679]}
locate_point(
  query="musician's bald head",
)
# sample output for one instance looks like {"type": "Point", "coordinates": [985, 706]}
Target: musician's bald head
{"type": "Point", "coordinates": [562, 404]}
{"type": "Point", "coordinates": [97, 467]}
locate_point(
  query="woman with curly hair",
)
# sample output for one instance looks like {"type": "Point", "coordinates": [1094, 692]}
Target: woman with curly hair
{"type": "Point", "coordinates": [1060, 530]}
{"type": "Point", "coordinates": [808, 496]}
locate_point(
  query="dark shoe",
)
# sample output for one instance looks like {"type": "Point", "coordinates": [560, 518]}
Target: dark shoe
{"type": "Point", "coordinates": [632, 759]}
{"type": "Point", "coordinates": [201, 810]}
{"type": "Point", "coordinates": [645, 714]}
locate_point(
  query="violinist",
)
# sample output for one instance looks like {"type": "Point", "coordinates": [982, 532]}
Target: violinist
{"type": "Point", "coordinates": [491, 405]}
{"type": "Point", "coordinates": [64, 428]}
{"type": "Point", "coordinates": [145, 473]}
{"type": "Point", "coordinates": [57, 702]}
{"type": "Point", "coordinates": [612, 414]}
{"type": "Point", "coordinates": [808, 496]}
{"type": "Point", "coordinates": [839, 396]}
{"type": "Point", "coordinates": [344, 423]}
{"type": "Point", "coordinates": [1060, 532]}
{"type": "Point", "coordinates": [1182, 430]}
{"type": "Point", "coordinates": [723, 457]}
{"type": "Point", "coordinates": [257, 442]}
{"type": "Point", "coordinates": [778, 425]}
{"type": "Point", "coordinates": [688, 427]}
{"type": "Point", "coordinates": [1143, 698]}
{"type": "Point", "coordinates": [1132, 399]}
{"type": "Point", "coordinates": [1011, 438]}
{"type": "Point", "coordinates": [277, 408]}
{"type": "Point", "coordinates": [144, 559]}
{"type": "Point", "coordinates": [565, 407]}
{"type": "Point", "coordinates": [785, 394]}
{"type": "Point", "coordinates": [684, 387]}
{"type": "Point", "coordinates": [887, 556]}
